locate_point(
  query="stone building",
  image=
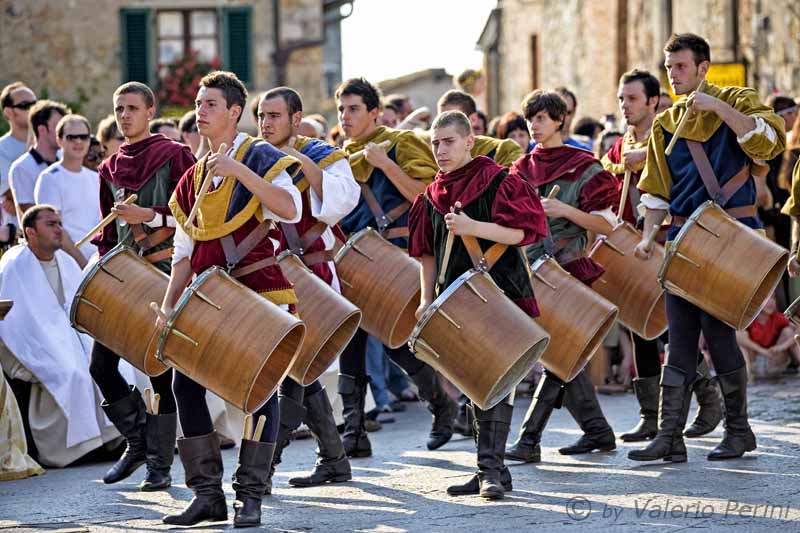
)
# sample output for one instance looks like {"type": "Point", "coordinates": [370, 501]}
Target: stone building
{"type": "Point", "coordinates": [79, 51]}
{"type": "Point", "coordinates": [587, 44]}
{"type": "Point", "coordinates": [423, 87]}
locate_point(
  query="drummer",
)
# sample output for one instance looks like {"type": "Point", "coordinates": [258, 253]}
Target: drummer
{"type": "Point", "coordinates": [389, 180]}
{"type": "Point", "coordinates": [329, 192]}
{"type": "Point", "coordinates": [731, 128]}
{"type": "Point", "coordinates": [251, 187]}
{"type": "Point", "coordinates": [150, 166]}
{"type": "Point", "coordinates": [499, 207]}
{"type": "Point", "coordinates": [638, 96]}
{"type": "Point", "coordinates": [587, 194]}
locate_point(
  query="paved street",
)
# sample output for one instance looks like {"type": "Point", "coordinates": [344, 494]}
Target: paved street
{"type": "Point", "coordinates": [402, 487]}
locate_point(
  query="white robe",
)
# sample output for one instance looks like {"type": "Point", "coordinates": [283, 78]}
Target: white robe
{"type": "Point", "coordinates": [38, 334]}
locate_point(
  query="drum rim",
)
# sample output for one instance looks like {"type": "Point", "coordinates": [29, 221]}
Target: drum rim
{"type": "Point", "coordinates": [536, 265]}
{"type": "Point", "coordinates": [115, 251]}
{"type": "Point", "coordinates": [437, 303]}
{"type": "Point", "coordinates": [669, 251]}
{"type": "Point", "coordinates": [352, 240]}
{"type": "Point", "coordinates": [182, 301]}
{"type": "Point", "coordinates": [286, 253]}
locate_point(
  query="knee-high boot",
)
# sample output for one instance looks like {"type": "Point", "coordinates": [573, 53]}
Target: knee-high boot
{"type": "Point", "coordinates": [355, 440]}
{"type": "Point", "coordinates": [548, 396]}
{"type": "Point", "coordinates": [250, 480]}
{"type": "Point", "coordinates": [581, 402]}
{"type": "Point", "coordinates": [160, 451]}
{"type": "Point", "coordinates": [709, 404]}
{"type": "Point", "coordinates": [646, 390]}
{"type": "Point", "coordinates": [738, 438]}
{"type": "Point", "coordinates": [441, 406]}
{"type": "Point", "coordinates": [292, 415]}
{"type": "Point", "coordinates": [128, 415]}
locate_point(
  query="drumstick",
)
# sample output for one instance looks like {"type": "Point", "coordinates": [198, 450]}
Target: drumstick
{"type": "Point", "coordinates": [203, 190]}
{"type": "Point", "coordinates": [156, 402]}
{"type": "Point", "coordinates": [626, 183]}
{"type": "Point", "coordinates": [259, 427]}
{"type": "Point", "coordinates": [157, 310]}
{"type": "Point", "coordinates": [682, 122]}
{"type": "Point", "coordinates": [248, 427]}
{"type": "Point", "coordinates": [147, 403]}
{"type": "Point", "coordinates": [105, 222]}
{"type": "Point", "coordinates": [448, 248]}
{"type": "Point", "coordinates": [553, 192]}
{"type": "Point", "coordinates": [356, 155]}
{"type": "Point", "coordinates": [652, 236]}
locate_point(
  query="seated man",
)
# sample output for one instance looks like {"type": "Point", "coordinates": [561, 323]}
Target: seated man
{"type": "Point", "coordinates": [768, 343]}
{"type": "Point", "coordinates": [47, 361]}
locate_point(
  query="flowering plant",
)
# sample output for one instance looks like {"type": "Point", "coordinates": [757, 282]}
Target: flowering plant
{"type": "Point", "coordinates": [180, 80]}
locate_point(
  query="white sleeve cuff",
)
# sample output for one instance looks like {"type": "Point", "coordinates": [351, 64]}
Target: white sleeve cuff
{"type": "Point", "coordinates": [284, 181]}
{"type": "Point", "coordinates": [762, 128]}
{"type": "Point", "coordinates": [607, 214]}
{"type": "Point", "coordinates": [161, 221]}
{"type": "Point", "coordinates": [648, 201]}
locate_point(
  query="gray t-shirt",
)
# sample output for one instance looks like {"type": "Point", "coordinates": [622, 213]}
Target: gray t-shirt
{"type": "Point", "coordinates": [10, 150]}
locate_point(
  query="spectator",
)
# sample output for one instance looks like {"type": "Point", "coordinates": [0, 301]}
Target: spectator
{"type": "Point", "coordinates": [94, 155]}
{"type": "Point", "coordinates": [322, 121]}
{"type": "Point", "coordinates": [16, 100]}
{"type": "Point", "coordinates": [388, 116]}
{"type": "Point", "coordinates": [44, 116]}
{"type": "Point", "coordinates": [513, 126]}
{"type": "Point", "coordinates": [472, 82]}
{"type": "Point", "coordinates": [189, 134]}
{"type": "Point", "coordinates": [479, 126]}
{"type": "Point", "coordinates": [401, 103]}
{"type": "Point", "coordinates": [167, 127]}
{"type": "Point", "coordinates": [311, 129]}
{"type": "Point", "coordinates": [47, 360]}
{"type": "Point", "coordinates": [336, 136]}
{"type": "Point", "coordinates": [588, 128]}
{"type": "Point", "coordinates": [71, 188]}
{"type": "Point", "coordinates": [664, 102]}
{"type": "Point", "coordinates": [491, 131]}
{"type": "Point", "coordinates": [768, 343]}
{"type": "Point", "coordinates": [109, 136]}
{"type": "Point", "coordinates": [606, 142]}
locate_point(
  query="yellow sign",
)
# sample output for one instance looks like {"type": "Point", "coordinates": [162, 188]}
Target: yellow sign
{"type": "Point", "coordinates": [720, 74]}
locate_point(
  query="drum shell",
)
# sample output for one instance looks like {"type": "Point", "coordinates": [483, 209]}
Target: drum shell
{"type": "Point", "coordinates": [576, 317]}
{"type": "Point", "coordinates": [122, 284]}
{"type": "Point", "coordinates": [722, 266]}
{"type": "Point", "coordinates": [383, 281]}
{"type": "Point", "coordinates": [630, 283]}
{"type": "Point", "coordinates": [495, 347]}
{"type": "Point", "coordinates": [245, 343]}
{"type": "Point", "coordinates": [331, 320]}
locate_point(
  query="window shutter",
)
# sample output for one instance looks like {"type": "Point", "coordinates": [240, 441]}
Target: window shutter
{"type": "Point", "coordinates": [237, 42]}
{"type": "Point", "coordinates": [135, 40]}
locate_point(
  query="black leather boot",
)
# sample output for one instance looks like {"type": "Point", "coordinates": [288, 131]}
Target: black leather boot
{"type": "Point", "coordinates": [709, 404]}
{"type": "Point", "coordinates": [548, 396]}
{"type": "Point", "coordinates": [128, 415]}
{"type": "Point", "coordinates": [441, 406]}
{"type": "Point", "coordinates": [292, 415]}
{"type": "Point", "coordinates": [355, 440]}
{"type": "Point", "coordinates": [160, 440]}
{"type": "Point", "coordinates": [580, 399]}
{"type": "Point", "coordinates": [249, 481]}
{"type": "Point", "coordinates": [673, 410]}
{"type": "Point", "coordinates": [202, 462]}
{"type": "Point", "coordinates": [463, 422]}
{"type": "Point", "coordinates": [646, 390]}
{"type": "Point", "coordinates": [738, 437]}
{"type": "Point", "coordinates": [332, 465]}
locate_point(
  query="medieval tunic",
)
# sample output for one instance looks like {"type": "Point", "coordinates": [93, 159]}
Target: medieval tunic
{"type": "Point", "coordinates": [411, 154]}
{"type": "Point", "coordinates": [151, 169]}
{"type": "Point", "coordinates": [340, 195]}
{"type": "Point", "coordinates": [614, 162]}
{"type": "Point", "coordinates": [584, 185]}
{"type": "Point", "coordinates": [488, 193]}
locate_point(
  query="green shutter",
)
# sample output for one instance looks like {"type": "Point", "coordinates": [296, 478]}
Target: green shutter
{"type": "Point", "coordinates": [237, 42]}
{"type": "Point", "coordinates": [135, 41]}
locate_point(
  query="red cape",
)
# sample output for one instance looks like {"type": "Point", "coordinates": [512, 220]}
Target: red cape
{"type": "Point", "coordinates": [463, 185]}
{"type": "Point", "coordinates": [544, 165]}
{"type": "Point", "coordinates": [134, 164]}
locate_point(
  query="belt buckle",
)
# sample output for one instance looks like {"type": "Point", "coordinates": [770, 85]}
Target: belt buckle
{"type": "Point", "coordinates": [229, 267]}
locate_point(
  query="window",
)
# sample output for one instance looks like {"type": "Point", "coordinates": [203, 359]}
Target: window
{"type": "Point", "coordinates": [178, 32]}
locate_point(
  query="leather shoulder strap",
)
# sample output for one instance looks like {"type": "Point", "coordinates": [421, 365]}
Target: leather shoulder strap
{"type": "Point", "coordinates": [720, 194]}
{"type": "Point", "coordinates": [480, 260]}
{"type": "Point", "coordinates": [234, 253]}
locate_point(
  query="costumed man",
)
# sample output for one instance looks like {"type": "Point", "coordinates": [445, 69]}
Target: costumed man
{"type": "Point", "coordinates": [585, 203]}
{"type": "Point", "coordinates": [47, 361]}
{"type": "Point", "coordinates": [638, 95]}
{"type": "Point", "coordinates": [389, 180]}
{"type": "Point", "coordinates": [251, 187]}
{"type": "Point", "coordinates": [499, 208]}
{"type": "Point", "coordinates": [149, 166]}
{"type": "Point", "coordinates": [329, 193]}
{"type": "Point", "coordinates": [792, 208]}
{"type": "Point", "coordinates": [727, 129]}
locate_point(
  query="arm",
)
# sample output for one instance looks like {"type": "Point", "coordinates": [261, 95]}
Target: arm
{"type": "Point", "coordinates": [595, 223]}
{"type": "Point", "coordinates": [427, 281]}
{"type": "Point", "coordinates": [311, 171]}
{"type": "Point", "coordinates": [744, 340]}
{"type": "Point", "coordinates": [461, 224]}
{"type": "Point", "coordinates": [407, 186]}
{"type": "Point", "coordinates": [178, 279]}
{"type": "Point", "coordinates": [68, 246]}
{"type": "Point", "coordinates": [341, 193]}
{"type": "Point", "coordinates": [736, 120]}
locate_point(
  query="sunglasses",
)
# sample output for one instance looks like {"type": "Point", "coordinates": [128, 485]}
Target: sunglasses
{"type": "Point", "coordinates": [77, 137]}
{"type": "Point", "coordinates": [24, 105]}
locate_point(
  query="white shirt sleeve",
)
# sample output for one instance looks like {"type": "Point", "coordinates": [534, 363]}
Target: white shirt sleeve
{"type": "Point", "coordinates": [22, 184]}
{"type": "Point", "coordinates": [284, 181]}
{"type": "Point", "coordinates": [340, 193]}
{"type": "Point", "coordinates": [182, 245]}
{"type": "Point", "coordinates": [161, 221]}
{"type": "Point", "coordinates": [762, 128]}
{"type": "Point", "coordinates": [607, 214]}
{"type": "Point", "coordinates": [648, 201]}
{"type": "Point", "coordinates": [46, 192]}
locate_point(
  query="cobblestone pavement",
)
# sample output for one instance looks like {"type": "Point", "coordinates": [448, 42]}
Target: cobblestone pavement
{"type": "Point", "coordinates": [402, 487]}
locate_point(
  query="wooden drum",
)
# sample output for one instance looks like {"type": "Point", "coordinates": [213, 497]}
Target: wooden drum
{"type": "Point", "coordinates": [331, 320]}
{"type": "Point", "coordinates": [723, 267]}
{"type": "Point", "coordinates": [576, 317]}
{"type": "Point", "coordinates": [111, 305]}
{"type": "Point", "coordinates": [231, 340]}
{"type": "Point", "coordinates": [479, 339]}
{"type": "Point", "coordinates": [382, 281]}
{"type": "Point", "coordinates": [630, 283]}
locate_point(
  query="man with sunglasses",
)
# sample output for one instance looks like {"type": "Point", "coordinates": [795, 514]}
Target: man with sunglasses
{"type": "Point", "coordinates": [16, 100]}
{"type": "Point", "coordinates": [72, 188]}
{"type": "Point", "coordinates": [43, 117]}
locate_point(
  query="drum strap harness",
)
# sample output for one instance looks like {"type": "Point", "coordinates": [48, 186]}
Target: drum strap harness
{"type": "Point", "coordinates": [299, 244]}
{"type": "Point", "coordinates": [234, 253]}
{"type": "Point", "coordinates": [483, 261]}
{"type": "Point", "coordinates": [146, 241]}
{"type": "Point", "coordinates": [719, 194]}
{"type": "Point", "coordinates": [385, 219]}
